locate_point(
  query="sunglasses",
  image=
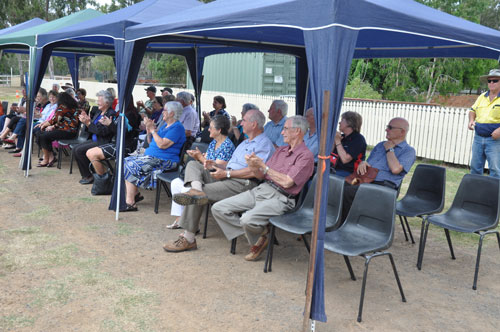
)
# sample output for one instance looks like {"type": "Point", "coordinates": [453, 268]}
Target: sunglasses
{"type": "Point", "coordinates": [392, 127]}
{"type": "Point", "coordinates": [493, 81]}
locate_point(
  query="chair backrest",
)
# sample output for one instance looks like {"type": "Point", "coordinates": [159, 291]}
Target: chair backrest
{"type": "Point", "coordinates": [82, 132]}
{"type": "Point", "coordinates": [478, 195]}
{"type": "Point", "coordinates": [428, 184]}
{"type": "Point", "coordinates": [5, 107]}
{"type": "Point", "coordinates": [335, 195]}
{"type": "Point", "coordinates": [373, 209]}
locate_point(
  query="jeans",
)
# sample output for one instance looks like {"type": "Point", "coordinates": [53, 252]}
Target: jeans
{"type": "Point", "coordinates": [20, 131]}
{"type": "Point", "coordinates": [485, 148]}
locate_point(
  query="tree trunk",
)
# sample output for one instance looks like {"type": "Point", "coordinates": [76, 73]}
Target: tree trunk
{"type": "Point", "coordinates": [431, 84]}
{"type": "Point", "coordinates": [51, 68]}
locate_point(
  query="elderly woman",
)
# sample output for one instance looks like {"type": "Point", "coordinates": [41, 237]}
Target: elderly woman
{"type": "Point", "coordinates": [219, 105]}
{"type": "Point", "coordinates": [62, 125]}
{"type": "Point", "coordinates": [83, 104]}
{"type": "Point", "coordinates": [99, 133]}
{"type": "Point", "coordinates": [220, 149]}
{"type": "Point", "coordinates": [350, 145]}
{"type": "Point", "coordinates": [165, 144]}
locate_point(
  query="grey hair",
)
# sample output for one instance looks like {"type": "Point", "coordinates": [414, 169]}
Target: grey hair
{"type": "Point", "coordinates": [56, 84]}
{"type": "Point", "coordinates": [192, 97]}
{"type": "Point", "coordinates": [281, 105]}
{"type": "Point", "coordinates": [298, 121]}
{"type": "Point", "coordinates": [176, 107]}
{"type": "Point", "coordinates": [70, 92]}
{"type": "Point", "coordinates": [112, 91]}
{"type": "Point", "coordinates": [106, 95]}
{"type": "Point", "coordinates": [42, 92]}
{"type": "Point", "coordinates": [184, 96]}
{"type": "Point", "coordinates": [248, 106]}
{"type": "Point", "coordinates": [258, 117]}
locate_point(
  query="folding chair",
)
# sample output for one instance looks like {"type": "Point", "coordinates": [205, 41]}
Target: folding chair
{"type": "Point", "coordinates": [82, 137]}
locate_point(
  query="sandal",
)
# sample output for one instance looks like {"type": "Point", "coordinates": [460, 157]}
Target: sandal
{"type": "Point", "coordinates": [51, 163]}
{"type": "Point", "coordinates": [130, 208]}
{"type": "Point", "coordinates": [174, 225]}
{"type": "Point", "coordinates": [138, 197]}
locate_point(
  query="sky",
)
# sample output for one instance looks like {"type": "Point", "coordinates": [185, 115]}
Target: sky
{"type": "Point", "coordinates": [104, 2]}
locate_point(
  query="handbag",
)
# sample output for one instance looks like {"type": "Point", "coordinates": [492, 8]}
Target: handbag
{"type": "Point", "coordinates": [103, 184]}
{"type": "Point", "coordinates": [357, 179]}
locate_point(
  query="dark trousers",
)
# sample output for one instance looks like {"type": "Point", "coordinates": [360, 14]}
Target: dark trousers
{"type": "Point", "coordinates": [80, 155]}
{"type": "Point", "coordinates": [47, 137]}
{"type": "Point", "coordinates": [350, 192]}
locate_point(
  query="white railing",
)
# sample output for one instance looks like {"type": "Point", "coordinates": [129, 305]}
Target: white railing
{"type": "Point", "coordinates": [5, 80]}
{"type": "Point", "coordinates": [438, 133]}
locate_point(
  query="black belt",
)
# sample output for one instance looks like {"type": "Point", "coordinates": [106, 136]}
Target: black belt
{"type": "Point", "coordinates": [280, 190]}
{"type": "Point", "coordinates": [386, 183]}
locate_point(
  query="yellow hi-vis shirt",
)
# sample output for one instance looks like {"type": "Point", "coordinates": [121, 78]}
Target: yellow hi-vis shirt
{"type": "Point", "coordinates": [487, 114]}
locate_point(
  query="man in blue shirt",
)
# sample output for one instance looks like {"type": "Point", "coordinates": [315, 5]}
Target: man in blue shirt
{"type": "Point", "coordinates": [277, 115]}
{"type": "Point", "coordinates": [211, 183]}
{"type": "Point", "coordinates": [311, 137]}
{"type": "Point", "coordinates": [393, 159]}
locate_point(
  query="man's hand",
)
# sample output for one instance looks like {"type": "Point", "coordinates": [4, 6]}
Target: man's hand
{"type": "Point", "coordinates": [472, 124]}
{"type": "Point", "coordinates": [389, 144]}
{"type": "Point", "coordinates": [254, 162]}
{"type": "Point", "coordinates": [362, 167]}
{"type": "Point", "coordinates": [219, 173]}
{"type": "Point", "coordinates": [209, 164]}
{"type": "Point", "coordinates": [496, 134]}
{"type": "Point", "coordinates": [140, 103]}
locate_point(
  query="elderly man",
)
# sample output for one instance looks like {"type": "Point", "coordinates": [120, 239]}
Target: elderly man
{"type": "Point", "coordinates": [277, 115]}
{"type": "Point", "coordinates": [484, 119]}
{"type": "Point", "coordinates": [146, 108]}
{"type": "Point", "coordinates": [393, 159]}
{"type": "Point", "coordinates": [285, 173]}
{"type": "Point", "coordinates": [311, 137]}
{"type": "Point", "coordinates": [209, 183]}
{"type": "Point", "coordinates": [166, 92]}
{"type": "Point", "coordinates": [189, 118]}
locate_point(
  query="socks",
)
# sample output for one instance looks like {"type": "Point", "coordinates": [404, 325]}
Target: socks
{"type": "Point", "coordinates": [189, 236]}
{"type": "Point", "coordinates": [196, 185]}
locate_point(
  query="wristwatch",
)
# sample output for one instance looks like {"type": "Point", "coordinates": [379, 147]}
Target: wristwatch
{"type": "Point", "coordinates": [228, 174]}
{"type": "Point", "coordinates": [389, 150]}
{"type": "Point", "coordinates": [265, 170]}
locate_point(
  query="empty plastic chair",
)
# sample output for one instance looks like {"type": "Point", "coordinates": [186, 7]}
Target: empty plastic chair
{"type": "Point", "coordinates": [425, 196]}
{"type": "Point", "coordinates": [367, 231]}
{"type": "Point", "coordinates": [475, 209]}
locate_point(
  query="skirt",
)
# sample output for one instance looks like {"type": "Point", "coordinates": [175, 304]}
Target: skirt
{"type": "Point", "coordinates": [142, 170]}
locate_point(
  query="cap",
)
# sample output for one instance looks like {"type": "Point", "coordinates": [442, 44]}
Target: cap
{"type": "Point", "coordinates": [492, 73]}
{"type": "Point", "coordinates": [151, 88]}
{"type": "Point", "coordinates": [167, 89]}
{"type": "Point", "coordinates": [67, 85]}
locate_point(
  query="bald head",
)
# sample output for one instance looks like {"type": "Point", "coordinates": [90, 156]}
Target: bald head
{"type": "Point", "coordinates": [397, 129]}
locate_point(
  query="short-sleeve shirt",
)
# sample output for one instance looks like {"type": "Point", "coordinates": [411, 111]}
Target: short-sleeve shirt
{"type": "Point", "coordinates": [487, 114]}
{"type": "Point", "coordinates": [224, 152]}
{"type": "Point", "coordinates": [190, 120]}
{"type": "Point", "coordinates": [378, 159]}
{"type": "Point", "coordinates": [175, 132]}
{"type": "Point", "coordinates": [312, 143]}
{"type": "Point", "coordinates": [355, 145]}
{"type": "Point", "coordinates": [221, 112]}
{"type": "Point", "coordinates": [260, 145]}
{"type": "Point", "coordinates": [297, 164]}
{"type": "Point", "coordinates": [273, 131]}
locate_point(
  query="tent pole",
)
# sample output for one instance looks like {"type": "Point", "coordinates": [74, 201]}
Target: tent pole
{"type": "Point", "coordinates": [120, 161]}
{"type": "Point", "coordinates": [317, 204]}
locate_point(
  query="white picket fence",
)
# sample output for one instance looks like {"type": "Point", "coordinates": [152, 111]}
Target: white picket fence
{"type": "Point", "coordinates": [437, 133]}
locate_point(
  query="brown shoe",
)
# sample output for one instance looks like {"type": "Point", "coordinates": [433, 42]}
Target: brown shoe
{"type": "Point", "coordinates": [179, 245]}
{"type": "Point", "coordinates": [257, 249]}
{"type": "Point", "coordinates": [193, 196]}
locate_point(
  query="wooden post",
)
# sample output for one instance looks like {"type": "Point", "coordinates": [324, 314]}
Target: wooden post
{"type": "Point", "coordinates": [317, 205]}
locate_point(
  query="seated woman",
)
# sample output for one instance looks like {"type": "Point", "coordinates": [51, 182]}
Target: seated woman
{"type": "Point", "coordinates": [165, 144]}
{"type": "Point", "coordinates": [108, 151]}
{"type": "Point", "coordinates": [157, 109]}
{"type": "Point", "coordinates": [220, 149]}
{"type": "Point", "coordinates": [219, 105]}
{"type": "Point", "coordinates": [63, 125]}
{"type": "Point", "coordinates": [46, 114]}
{"type": "Point", "coordinates": [99, 134]}
{"type": "Point", "coordinates": [350, 146]}
{"type": "Point", "coordinates": [83, 104]}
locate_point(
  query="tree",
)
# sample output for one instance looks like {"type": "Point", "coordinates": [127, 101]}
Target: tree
{"type": "Point", "coordinates": [168, 69]}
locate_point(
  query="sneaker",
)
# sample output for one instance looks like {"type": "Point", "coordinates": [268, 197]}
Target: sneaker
{"type": "Point", "coordinates": [193, 196]}
{"type": "Point", "coordinates": [257, 249]}
{"type": "Point", "coordinates": [181, 244]}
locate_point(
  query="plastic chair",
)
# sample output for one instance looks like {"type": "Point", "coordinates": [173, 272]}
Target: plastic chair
{"type": "Point", "coordinates": [300, 220]}
{"type": "Point", "coordinates": [475, 209]}
{"type": "Point", "coordinates": [82, 137]}
{"type": "Point", "coordinates": [168, 176]}
{"type": "Point", "coordinates": [367, 231]}
{"type": "Point", "coordinates": [5, 107]}
{"type": "Point", "coordinates": [425, 196]}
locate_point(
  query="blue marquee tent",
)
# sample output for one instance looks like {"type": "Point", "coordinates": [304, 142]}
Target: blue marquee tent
{"type": "Point", "coordinates": [331, 33]}
{"type": "Point", "coordinates": [21, 26]}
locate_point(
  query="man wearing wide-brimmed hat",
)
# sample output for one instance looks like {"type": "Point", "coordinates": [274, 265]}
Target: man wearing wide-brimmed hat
{"type": "Point", "coordinates": [484, 119]}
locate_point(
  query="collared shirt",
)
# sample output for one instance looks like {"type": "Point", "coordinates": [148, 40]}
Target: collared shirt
{"type": "Point", "coordinates": [297, 164]}
{"type": "Point", "coordinates": [378, 159]}
{"type": "Point", "coordinates": [221, 112]}
{"type": "Point", "coordinates": [261, 145]}
{"type": "Point", "coordinates": [273, 131]}
{"type": "Point", "coordinates": [190, 120]}
{"type": "Point", "coordinates": [355, 145]}
{"type": "Point", "coordinates": [47, 111]}
{"type": "Point", "coordinates": [147, 104]}
{"type": "Point", "coordinates": [487, 114]}
{"type": "Point", "coordinates": [175, 133]}
{"type": "Point", "coordinates": [224, 152]}
{"type": "Point", "coordinates": [312, 143]}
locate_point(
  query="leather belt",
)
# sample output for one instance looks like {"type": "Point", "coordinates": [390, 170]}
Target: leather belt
{"type": "Point", "coordinates": [280, 190]}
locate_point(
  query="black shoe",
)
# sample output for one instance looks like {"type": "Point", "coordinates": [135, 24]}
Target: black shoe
{"type": "Point", "coordinates": [130, 208]}
{"type": "Point", "coordinates": [88, 180]}
{"type": "Point", "coordinates": [16, 151]}
{"type": "Point", "coordinates": [138, 197]}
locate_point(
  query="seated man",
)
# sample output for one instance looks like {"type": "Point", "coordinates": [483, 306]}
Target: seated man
{"type": "Point", "coordinates": [189, 119]}
{"type": "Point", "coordinates": [393, 159]}
{"type": "Point", "coordinates": [277, 115]}
{"type": "Point", "coordinates": [209, 182]}
{"type": "Point", "coordinates": [285, 173]}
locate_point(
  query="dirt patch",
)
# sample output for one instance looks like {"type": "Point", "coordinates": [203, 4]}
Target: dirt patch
{"type": "Point", "coordinates": [67, 265]}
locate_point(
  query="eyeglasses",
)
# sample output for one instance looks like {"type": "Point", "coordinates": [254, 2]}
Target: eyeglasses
{"type": "Point", "coordinates": [392, 127]}
{"type": "Point", "coordinates": [288, 128]}
{"type": "Point", "coordinates": [493, 81]}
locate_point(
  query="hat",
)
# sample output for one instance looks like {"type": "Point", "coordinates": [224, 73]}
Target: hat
{"type": "Point", "coordinates": [492, 73]}
{"type": "Point", "coordinates": [67, 85]}
{"type": "Point", "coordinates": [167, 89]}
{"type": "Point", "coordinates": [151, 88]}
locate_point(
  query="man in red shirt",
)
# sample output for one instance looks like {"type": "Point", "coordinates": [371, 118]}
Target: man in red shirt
{"type": "Point", "coordinates": [284, 175]}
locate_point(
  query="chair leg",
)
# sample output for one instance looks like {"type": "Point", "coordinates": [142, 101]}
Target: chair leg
{"type": "Point", "coordinates": [270, 246]}
{"type": "Point", "coordinates": [349, 267]}
{"type": "Point", "coordinates": [403, 298]}
{"type": "Point", "coordinates": [403, 227]}
{"type": "Point", "coordinates": [363, 286]}
{"type": "Point", "coordinates": [478, 258]}
{"type": "Point", "coordinates": [158, 192]}
{"type": "Point", "coordinates": [206, 222]}
{"type": "Point", "coordinates": [448, 238]}
{"type": "Point", "coordinates": [233, 246]}
{"type": "Point", "coordinates": [59, 157]}
{"type": "Point", "coordinates": [306, 243]}
{"type": "Point", "coordinates": [409, 230]}
{"type": "Point", "coordinates": [71, 162]}
{"type": "Point", "coordinates": [498, 239]}
{"type": "Point", "coordinates": [422, 245]}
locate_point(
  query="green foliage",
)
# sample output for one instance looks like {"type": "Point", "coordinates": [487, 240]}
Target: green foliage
{"type": "Point", "coordinates": [360, 89]}
{"type": "Point", "coordinates": [103, 66]}
{"type": "Point", "coordinates": [168, 69]}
